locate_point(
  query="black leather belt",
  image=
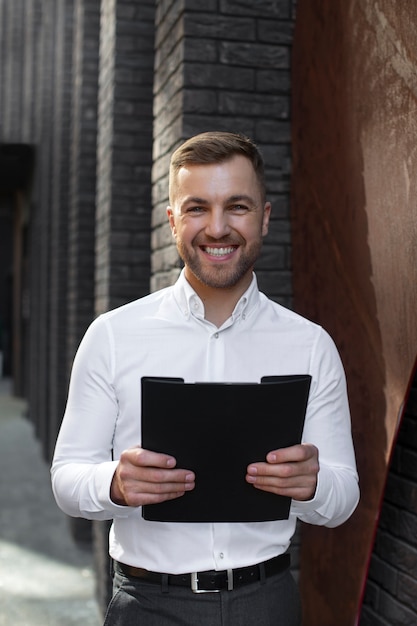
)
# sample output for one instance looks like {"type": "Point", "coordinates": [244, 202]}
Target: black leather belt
{"type": "Point", "coordinates": [211, 581]}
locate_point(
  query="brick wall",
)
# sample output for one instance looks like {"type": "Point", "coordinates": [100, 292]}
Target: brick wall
{"type": "Point", "coordinates": [82, 179]}
{"type": "Point", "coordinates": [391, 589]}
{"type": "Point", "coordinates": [124, 152]}
{"type": "Point", "coordinates": [58, 221]}
{"type": "Point", "coordinates": [225, 68]}
{"type": "Point", "coordinates": [12, 21]}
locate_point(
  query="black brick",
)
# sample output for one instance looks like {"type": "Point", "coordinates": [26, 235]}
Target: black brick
{"type": "Point", "coordinates": [264, 8]}
{"type": "Point", "coordinates": [218, 77]}
{"type": "Point", "coordinates": [256, 105]}
{"type": "Point", "coordinates": [274, 31]}
{"type": "Point", "coordinates": [255, 55]}
{"type": "Point", "coordinates": [219, 27]}
{"type": "Point", "coordinates": [396, 613]}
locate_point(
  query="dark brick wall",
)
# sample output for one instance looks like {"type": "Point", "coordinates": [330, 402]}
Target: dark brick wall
{"type": "Point", "coordinates": [58, 225]}
{"type": "Point", "coordinates": [124, 152]}
{"type": "Point", "coordinates": [225, 66]}
{"type": "Point", "coordinates": [391, 589]}
{"type": "Point", "coordinates": [82, 180]}
{"type": "Point", "coordinates": [12, 20]}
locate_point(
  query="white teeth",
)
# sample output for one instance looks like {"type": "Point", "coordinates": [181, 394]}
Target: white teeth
{"type": "Point", "coordinates": [219, 251]}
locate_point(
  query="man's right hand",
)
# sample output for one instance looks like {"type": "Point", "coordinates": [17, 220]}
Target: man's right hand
{"type": "Point", "coordinates": [145, 477]}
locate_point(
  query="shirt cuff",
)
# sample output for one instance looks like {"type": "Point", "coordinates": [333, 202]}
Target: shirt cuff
{"type": "Point", "coordinates": [319, 503]}
{"type": "Point", "coordinates": [102, 482]}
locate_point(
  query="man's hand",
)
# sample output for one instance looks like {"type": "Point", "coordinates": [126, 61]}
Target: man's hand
{"type": "Point", "coordinates": [287, 472]}
{"type": "Point", "coordinates": [145, 477]}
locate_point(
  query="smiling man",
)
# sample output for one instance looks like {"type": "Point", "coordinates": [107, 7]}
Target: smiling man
{"type": "Point", "coordinates": [213, 325]}
{"type": "Point", "coordinates": [218, 216]}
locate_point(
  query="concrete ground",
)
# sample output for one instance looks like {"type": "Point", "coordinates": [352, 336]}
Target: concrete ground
{"type": "Point", "coordinates": [46, 579]}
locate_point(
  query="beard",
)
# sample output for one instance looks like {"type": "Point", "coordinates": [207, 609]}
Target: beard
{"type": "Point", "coordinates": [220, 275]}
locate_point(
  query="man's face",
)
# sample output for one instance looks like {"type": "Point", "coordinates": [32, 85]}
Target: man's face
{"type": "Point", "coordinates": [218, 220]}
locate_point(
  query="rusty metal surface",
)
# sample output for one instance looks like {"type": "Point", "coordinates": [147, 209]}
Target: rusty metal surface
{"type": "Point", "coordinates": [355, 249]}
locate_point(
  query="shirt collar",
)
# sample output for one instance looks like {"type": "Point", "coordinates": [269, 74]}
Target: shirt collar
{"type": "Point", "coordinates": [191, 304]}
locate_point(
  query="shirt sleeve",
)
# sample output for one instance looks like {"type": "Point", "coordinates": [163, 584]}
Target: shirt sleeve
{"type": "Point", "coordinates": [83, 467]}
{"type": "Point", "coordinates": [328, 427]}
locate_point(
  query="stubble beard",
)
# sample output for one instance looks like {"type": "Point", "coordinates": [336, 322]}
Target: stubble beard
{"type": "Point", "coordinates": [221, 275]}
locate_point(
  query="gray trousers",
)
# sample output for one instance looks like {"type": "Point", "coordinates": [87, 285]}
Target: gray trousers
{"type": "Point", "coordinates": [273, 602]}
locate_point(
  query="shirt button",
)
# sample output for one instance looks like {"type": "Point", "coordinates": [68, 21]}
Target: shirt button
{"type": "Point", "coordinates": [221, 555]}
{"type": "Point", "coordinates": [216, 335]}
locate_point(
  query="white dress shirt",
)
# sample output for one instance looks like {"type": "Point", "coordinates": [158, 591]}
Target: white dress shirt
{"type": "Point", "coordinates": [165, 334]}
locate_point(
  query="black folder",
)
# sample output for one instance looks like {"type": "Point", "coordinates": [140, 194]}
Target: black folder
{"type": "Point", "coordinates": [216, 430]}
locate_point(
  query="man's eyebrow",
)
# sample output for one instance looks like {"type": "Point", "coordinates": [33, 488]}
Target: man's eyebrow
{"type": "Point", "coordinates": [240, 197]}
{"type": "Point", "coordinates": [235, 198]}
{"type": "Point", "coordinates": [194, 200]}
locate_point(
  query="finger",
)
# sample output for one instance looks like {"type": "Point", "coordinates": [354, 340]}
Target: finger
{"type": "Point", "coordinates": [276, 470]}
{"type": "Point", "coordinates": [265, 474]}
{"type": "Point", "coordinates": [130, 473]}
{"type": "Point", "coordinates": [284, 479]}
{"type": "Point", "coordinates": [164, 478]}
{"type": "Point", "coordinates": [297, 454]}
{"type": "Point", "coordinates": [296, 493]}
{"type": "Point", "coordinates": [161, 488]}
{"type": "Point", "coordinates": [147, 489]}
{"type": "Point", "coordinates": [139, 499]}
{"type": "Point", "coordinates": [298, 487]}
{"type": "Point", "coordinates": [147, 458]}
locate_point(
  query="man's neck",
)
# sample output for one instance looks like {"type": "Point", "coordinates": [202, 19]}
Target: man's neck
{"type": "Point", "coordinates": [218, 310]}
{"type": "Point", "coordinates": [219, 303]}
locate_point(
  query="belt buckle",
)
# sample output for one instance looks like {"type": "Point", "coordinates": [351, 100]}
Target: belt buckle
{"type": "Point", "coordinates": [195, 588]}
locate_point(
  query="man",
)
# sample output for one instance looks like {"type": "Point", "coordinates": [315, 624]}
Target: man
{"type": "Point", "coordinates": [212, 325]}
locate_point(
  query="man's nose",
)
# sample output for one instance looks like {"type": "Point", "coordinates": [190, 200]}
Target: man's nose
{"type": "Point", "coordinates": [218, 224]}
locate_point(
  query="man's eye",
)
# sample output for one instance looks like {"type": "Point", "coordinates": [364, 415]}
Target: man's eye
{"type": "Point", "coordinates": [195, 209]}
{"type": "Point", "coordinates": [239, 208]}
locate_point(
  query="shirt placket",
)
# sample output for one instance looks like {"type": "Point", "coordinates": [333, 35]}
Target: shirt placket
{"type": "Point", "coordinates": [216, 371]}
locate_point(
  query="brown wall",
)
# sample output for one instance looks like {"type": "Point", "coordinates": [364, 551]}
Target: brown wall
{"type": "Point", "coordinates": [354, 248]}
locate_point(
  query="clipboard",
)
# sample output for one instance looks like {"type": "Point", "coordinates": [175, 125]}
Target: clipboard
{"type": "Point", "coordinates": [217, 430]}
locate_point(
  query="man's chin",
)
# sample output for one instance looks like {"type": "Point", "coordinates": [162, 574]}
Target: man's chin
{"type": "Point", "coordinates": [220, 278]}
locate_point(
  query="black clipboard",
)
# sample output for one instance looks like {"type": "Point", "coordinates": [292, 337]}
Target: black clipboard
{"type": "Point", "coordinates": [216, 430]}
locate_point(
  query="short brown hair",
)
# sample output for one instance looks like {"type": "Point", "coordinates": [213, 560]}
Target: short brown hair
{"type": "Point", "coordinates": [215, 147]}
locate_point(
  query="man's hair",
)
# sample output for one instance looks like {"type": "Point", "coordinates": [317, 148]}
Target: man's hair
{"type": "Point", "coordinates": [216, 147]}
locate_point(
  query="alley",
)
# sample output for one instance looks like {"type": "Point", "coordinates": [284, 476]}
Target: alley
{"type": "Point", "coordinates": [45, 577]}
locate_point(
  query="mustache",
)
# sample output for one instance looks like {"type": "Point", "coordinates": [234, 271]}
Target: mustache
{"type": "Point", "coordinates": [222, 241]}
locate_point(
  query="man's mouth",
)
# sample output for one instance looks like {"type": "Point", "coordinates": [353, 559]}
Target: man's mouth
{"type": "Point", "coordinates": [219, 251]}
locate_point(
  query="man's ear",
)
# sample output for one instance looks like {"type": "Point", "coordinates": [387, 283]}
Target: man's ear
{"type": "Point", "coordinates": [265, 218]}
{"type": "Point", "coordinates": [171, 220]}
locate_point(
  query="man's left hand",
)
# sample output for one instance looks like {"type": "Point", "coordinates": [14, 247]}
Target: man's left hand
{"type": "Point", "coordinates": [287, 472]}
